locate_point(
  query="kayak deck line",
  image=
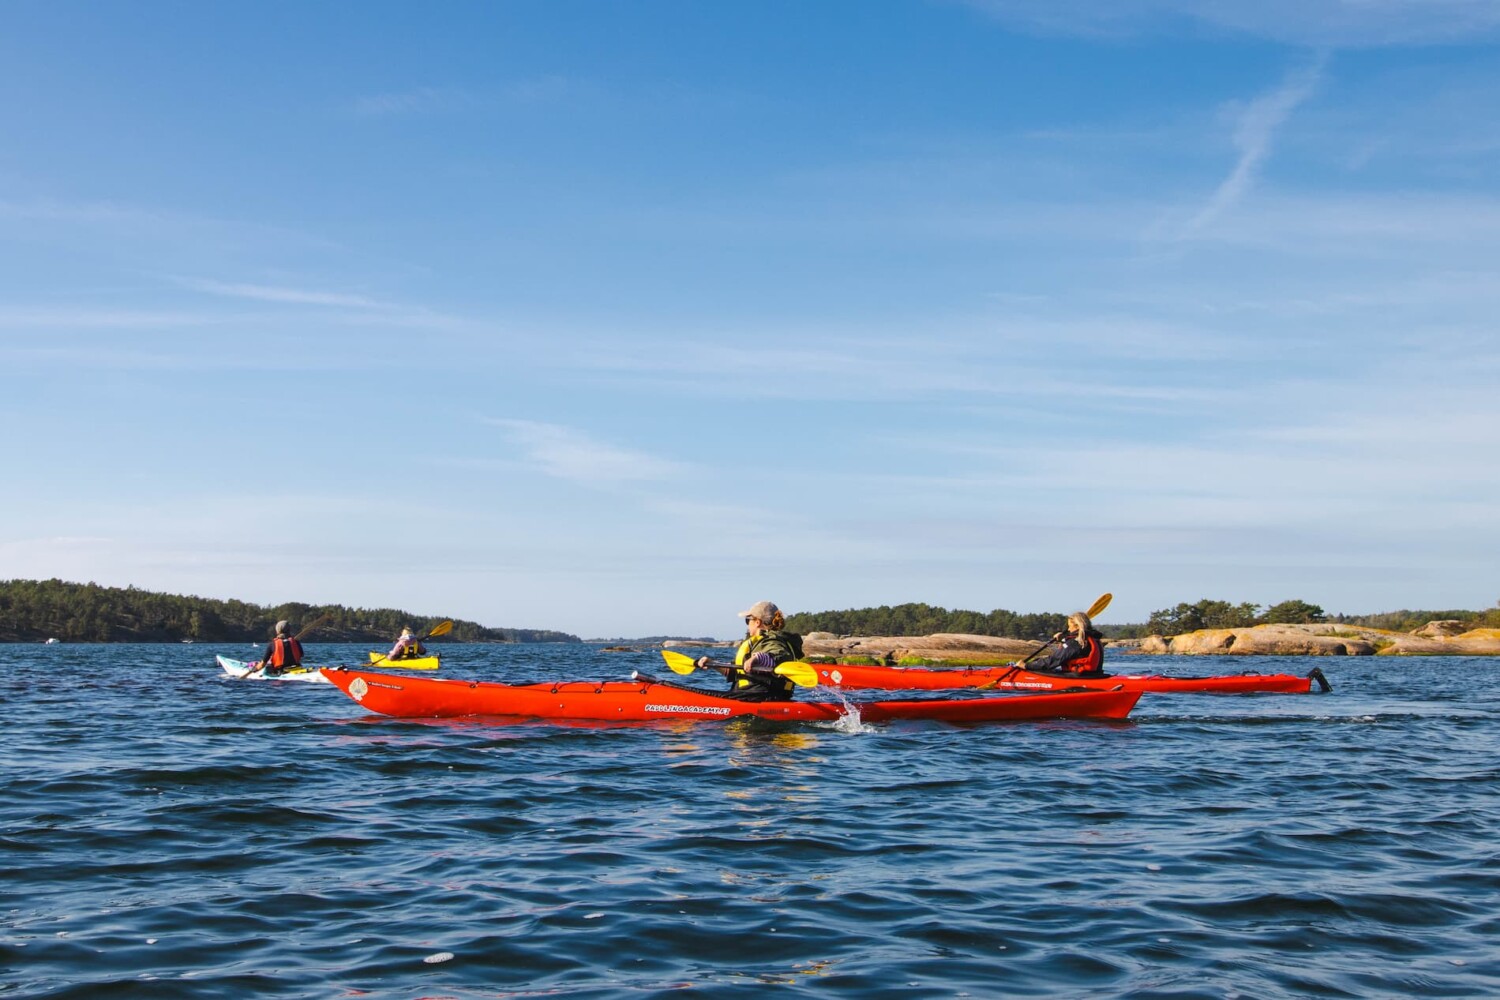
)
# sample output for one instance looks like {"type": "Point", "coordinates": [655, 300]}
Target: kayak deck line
{"type": "Point", "coordinates": [427, 662]}
{"type": "Point", "coordinates": [1015, 678]}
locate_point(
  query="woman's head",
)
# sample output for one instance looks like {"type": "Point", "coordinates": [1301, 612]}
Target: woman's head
{"type": "Point", "coordinates": [1078, 622]}
{"type": "Point", "coordinates": [763, 615]}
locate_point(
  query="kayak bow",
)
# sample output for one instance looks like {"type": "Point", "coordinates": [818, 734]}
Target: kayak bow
{"type": "Point", "coordinates": [647, 698]}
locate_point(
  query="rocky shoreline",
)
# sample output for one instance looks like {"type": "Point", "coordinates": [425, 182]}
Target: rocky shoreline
{"type": "Point", "coordinates": [1324, 639]}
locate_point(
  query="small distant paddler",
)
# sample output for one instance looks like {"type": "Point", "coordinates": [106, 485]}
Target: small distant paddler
{"type": "Point", "coordinates": [407, 647]}
{"type": "Point", "coordinates": [281, 653]}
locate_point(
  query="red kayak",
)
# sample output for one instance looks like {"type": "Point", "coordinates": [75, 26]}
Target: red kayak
{"type": "Point", "coordinates": [1006, 678]}
{"type": "Point", "coordinates": [646, 698]}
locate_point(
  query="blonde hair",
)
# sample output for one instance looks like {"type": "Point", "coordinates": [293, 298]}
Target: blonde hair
{"type": "Point", "coordinates": [1083, 620]}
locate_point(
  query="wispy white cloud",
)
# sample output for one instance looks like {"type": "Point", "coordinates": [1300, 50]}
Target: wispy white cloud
{"type": "Point", "coordinates": [271, 293]}
{"type": "Point", "coordinates": [418, 100]}
{"type": "Point", "coordinates": [567, 453]}
{"type": "Point", "coordinates": [1253, 134]}
{"type": "Point", "coordinates": [547, 89]}
{"type": "Point", "coordinates": [1361, 226]}
{"type": "Point", "coordinates": [90, 212]}
{"type": "Point", "coordinates": [83, 318]}
{"type": "Point", "coordinates": [155, 226]}
{"type": "Point", "coordinates": [1319, 23]}
{"type": "Point", "coordinates": [951, 358]}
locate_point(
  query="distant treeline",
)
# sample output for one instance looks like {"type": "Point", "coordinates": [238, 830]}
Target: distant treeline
{"type": "Point", "coordinates": [1223, 614]}
{"type": "Point", "coordinates": [924, 619]}
{"type": "Point", "coordinates": [657, 640]}
{"type": "Point", "coordinates": [35, 610]}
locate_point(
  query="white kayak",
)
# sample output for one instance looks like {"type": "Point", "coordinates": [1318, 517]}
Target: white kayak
{"type": "Point", "coordinates": [237, 669]}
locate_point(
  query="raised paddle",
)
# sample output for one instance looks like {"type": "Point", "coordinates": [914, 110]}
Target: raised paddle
{"type": "Point", "coordinates": [799, 673]}
{"type": "Point", "coordinates": [441, 628]}
{"type": "Point", "coordinates": [1094, 609]}
{"type": "Point", "coordinates": [305, 629]}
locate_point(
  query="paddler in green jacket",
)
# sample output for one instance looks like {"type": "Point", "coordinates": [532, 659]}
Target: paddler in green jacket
{"type": "Point", "coordinates": [766, 644]}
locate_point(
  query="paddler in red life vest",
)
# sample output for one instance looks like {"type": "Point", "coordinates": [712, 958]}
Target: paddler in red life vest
{"type": "Point", "coordinates": [407, 647]}
{"type": "Point", "coordinates": [1081, 652]}
{"type": "Point", "coordinates": [282, 652]}
{"type": "Point", "coordinates": [753, 676]}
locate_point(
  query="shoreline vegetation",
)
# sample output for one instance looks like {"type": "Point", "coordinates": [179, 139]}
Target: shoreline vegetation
{"type": "Point", "coordinates": [42, 610]}
{"type": "Point", "coordinates": [904, 635]}
{"type": "Point", "coordinates": [1437, 638]}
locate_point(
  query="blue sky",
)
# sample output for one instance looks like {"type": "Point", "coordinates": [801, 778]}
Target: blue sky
{"type": "Point", "coordinates": [616, 318]}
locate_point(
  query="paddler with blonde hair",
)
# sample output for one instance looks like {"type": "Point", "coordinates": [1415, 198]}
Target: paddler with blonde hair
{"type": "Point", "coordinates": [1081, 651]}
{"type": "Point", "coordinates": [407, 647]}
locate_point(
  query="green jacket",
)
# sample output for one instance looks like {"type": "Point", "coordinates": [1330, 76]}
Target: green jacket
{"type": "Point", "coordinates": [759, 685]}
{"type": "Point", "coordinates": [783, 647]}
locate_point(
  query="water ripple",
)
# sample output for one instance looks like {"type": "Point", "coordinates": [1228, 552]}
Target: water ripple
{"type": "Point", "coordinates": [168, 832]}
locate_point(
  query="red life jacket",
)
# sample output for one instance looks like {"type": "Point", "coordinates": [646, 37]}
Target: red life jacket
{"type": "Point", "coordinates": [1092, 661]}
{"type": "Point", "coordinates": [286, 652]}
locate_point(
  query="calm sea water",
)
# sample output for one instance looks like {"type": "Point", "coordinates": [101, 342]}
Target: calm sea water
{"type": "Point", "coordinates": [167, 832]}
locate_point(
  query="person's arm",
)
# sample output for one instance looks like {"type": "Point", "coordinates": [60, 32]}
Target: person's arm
{"type": "Point", "coordinates": [763, 662]}
{"type": "Point", "coordinates": [1069, 649]}
{"type": "Point", "coordinates": [760, 671]}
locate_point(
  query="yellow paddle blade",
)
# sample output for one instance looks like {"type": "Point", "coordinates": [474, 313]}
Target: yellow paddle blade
{"type": "Point", "coordinates": [800, 674]}
{"type": "Point", "coordinates": [441, 628]}
{"type": "Point", "coordinates": [1098, 606]}
{"type": "Point", "coordinates": [680, 663]}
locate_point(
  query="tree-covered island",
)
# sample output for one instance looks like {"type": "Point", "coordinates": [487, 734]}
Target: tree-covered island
{"type": "Point", "coordinates": [37, 610]}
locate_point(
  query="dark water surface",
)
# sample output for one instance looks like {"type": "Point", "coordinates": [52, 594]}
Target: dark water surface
{"type": "Point", "coordinates": [167, 832]}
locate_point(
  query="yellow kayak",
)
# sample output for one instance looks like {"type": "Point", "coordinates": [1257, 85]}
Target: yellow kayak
{"type": "Point", "coordinates": [411, 663]}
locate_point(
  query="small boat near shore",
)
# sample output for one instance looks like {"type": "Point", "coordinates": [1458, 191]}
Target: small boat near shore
{"type": "Point", "coordinates": [646, 698]}
{"type": "Point", "coordinates": [409, 663]}
{"type": "Point", "coordinates": [251, 671]}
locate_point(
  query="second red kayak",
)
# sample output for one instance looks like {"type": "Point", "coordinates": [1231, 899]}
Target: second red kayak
{"type": "Point", "coordinates": [1006, 678]}
{"type": "Point", "coordinates": [646, 698]}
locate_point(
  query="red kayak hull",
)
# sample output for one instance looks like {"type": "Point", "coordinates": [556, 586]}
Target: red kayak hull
{"type": "Point", "coordinates": [409, 697]}
{"type": "Point", "coordinates": [855, 676]}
